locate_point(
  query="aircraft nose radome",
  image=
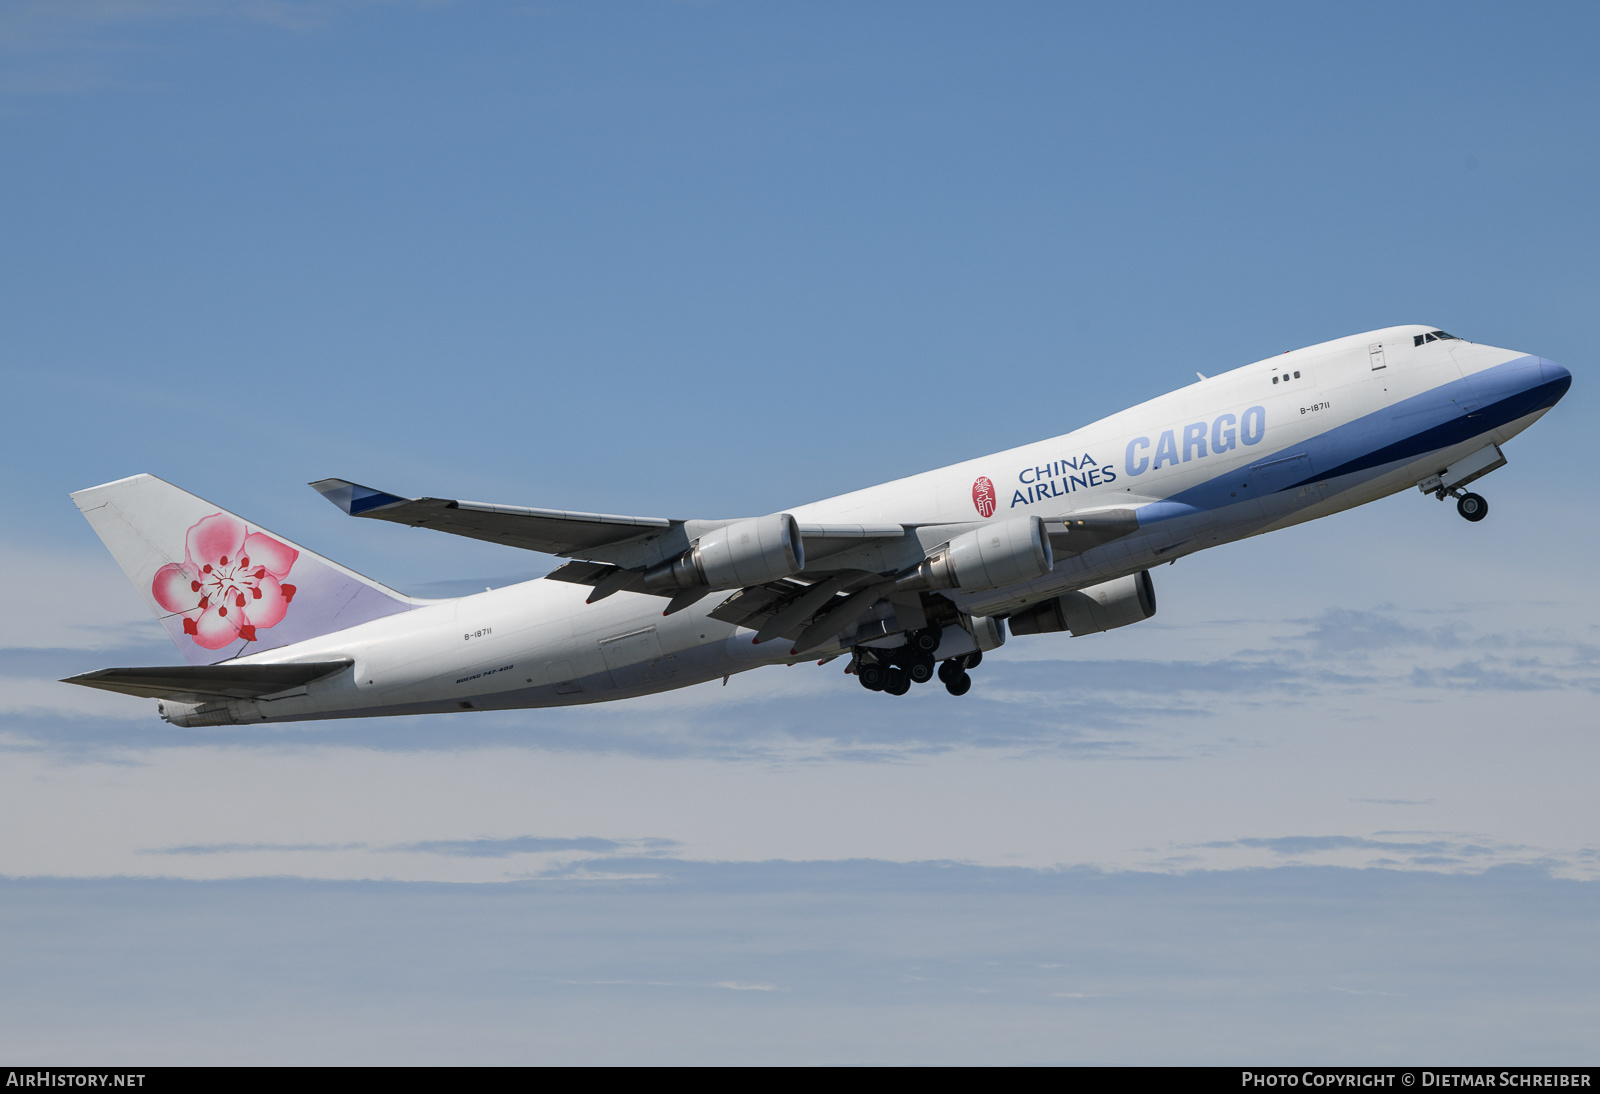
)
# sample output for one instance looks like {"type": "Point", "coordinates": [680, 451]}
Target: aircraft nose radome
{"type": "Point", "coordinates": [1555, 374]}
{"type": "Point", "coordinates": [1554, 371]}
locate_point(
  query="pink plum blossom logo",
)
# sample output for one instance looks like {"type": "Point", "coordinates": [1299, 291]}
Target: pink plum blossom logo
{"type": "Point", "coordinates": [230, 583]}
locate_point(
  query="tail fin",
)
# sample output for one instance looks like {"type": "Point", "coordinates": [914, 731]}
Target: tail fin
{"type": "Point", "coordinates": [221, 586]}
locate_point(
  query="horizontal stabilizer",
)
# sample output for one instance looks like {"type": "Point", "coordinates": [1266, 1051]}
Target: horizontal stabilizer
{"type": "Point", "coordinates": [208, 683]}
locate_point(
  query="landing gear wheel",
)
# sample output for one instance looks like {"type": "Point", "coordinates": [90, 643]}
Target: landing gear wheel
{"type": "Point", "coordinates": [870, 674]}
{"type": "Point", "coordinates": [920, 670]}
{"type": "Point", "coordinates": [949, 670]}
{"type": "Point", "coordinates": [895, 681]}
{"type": "Point", "coordinates": [926, 640]}
{"type": "Point", "coordinates": [1472, 506]}
{"type": "Point", "coordinates": [958, 685]}
{"type": "Point", "coordinates": [973, 659]}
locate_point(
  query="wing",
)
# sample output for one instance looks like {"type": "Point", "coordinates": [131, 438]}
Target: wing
{"type": "Point", "coordinates": [1078, 532]}
{"type": "Point", "coordinates": [573, 535]}
{"type": "Point", "coordinates": [551, 531]}
{"type": "Point", "coordinates": [808, 612]}
{"type": "Point", "coordinates": [203, 683]}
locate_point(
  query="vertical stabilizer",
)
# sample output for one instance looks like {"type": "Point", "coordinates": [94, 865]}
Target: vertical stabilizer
{"type": "Point", "coordinates": [221, 586]}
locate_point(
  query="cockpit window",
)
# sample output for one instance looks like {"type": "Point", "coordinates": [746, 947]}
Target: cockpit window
{"type": "Point", "coordinates": [1436, 336]}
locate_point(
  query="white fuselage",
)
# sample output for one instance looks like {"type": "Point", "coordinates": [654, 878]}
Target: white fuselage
{"type": "Point", "coordinates": [1232, 456]}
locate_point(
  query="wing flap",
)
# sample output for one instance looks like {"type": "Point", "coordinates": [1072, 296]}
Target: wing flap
{"type": "Point", "coordinates": [851, 531]}
{"type": "Point", "coordinates": [744, 606]}
{"type": "Point", "coordinates": [208, 683]}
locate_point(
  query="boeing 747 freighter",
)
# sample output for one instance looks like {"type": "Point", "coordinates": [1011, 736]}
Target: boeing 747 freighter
{"type": "Point", "coordinates": [908, 580]}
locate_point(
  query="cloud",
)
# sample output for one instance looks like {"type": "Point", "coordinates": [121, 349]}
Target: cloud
{"type": "Point", "coordinates": [1452, 851]}
{"type": "Point", "coordinates": [467, 848]}
{"type": "Point", "coordinates": [1487, 675]}
{"type": "Point", "coordinates": [33, 699]}
{"type": "Point", "coordinates": [71, 599]}
{"type": "Point", "coordinates": [1342, 631]}
{"type": "Point", "coordinates": [247, 848]}
{"type": "Point", "coordinates": [1083, 705]}
{"type": "Point", "coordinates": [814, 962]}
{"type": "Point", "coordinates": [523, 845]}
{"type": "Point", "coordinates": [1303, 845]}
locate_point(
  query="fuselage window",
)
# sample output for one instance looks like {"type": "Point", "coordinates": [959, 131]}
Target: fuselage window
{"type": "Point", "coordinates": [1297, 376]}
{"type": "Point", "coordinates": [1274, 379]}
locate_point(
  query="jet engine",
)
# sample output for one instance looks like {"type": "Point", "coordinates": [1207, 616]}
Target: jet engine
{"type": "Point", "coordinates": [1087, 611]}
{"type": "Point", "coordinates": [1002, 553]}
{"type": "Point", "coordinates": [746, 552]}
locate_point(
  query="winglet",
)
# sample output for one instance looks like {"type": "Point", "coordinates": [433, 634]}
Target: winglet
{"type": "Point", "coordinates": [355, 499]}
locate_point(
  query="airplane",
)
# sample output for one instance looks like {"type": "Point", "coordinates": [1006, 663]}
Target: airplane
{"type": "Point", "coordinates": [910, 579]}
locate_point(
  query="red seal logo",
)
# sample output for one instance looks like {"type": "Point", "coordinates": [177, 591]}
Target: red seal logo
{"type": "Point", "coordinates": [983, 497]}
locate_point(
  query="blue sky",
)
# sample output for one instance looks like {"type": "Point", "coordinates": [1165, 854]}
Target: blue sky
{"type": "Point", "coordinates": [717, 259]}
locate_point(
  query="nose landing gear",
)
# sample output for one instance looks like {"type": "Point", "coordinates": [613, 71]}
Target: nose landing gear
{"type": "Point", "coordinates": [1452, 481]}
{"type": "Point", "coordinates": [1472, 507]}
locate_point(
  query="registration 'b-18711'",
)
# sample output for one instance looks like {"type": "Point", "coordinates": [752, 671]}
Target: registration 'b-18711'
{"type": "Point", "coordinates": [905, 581]}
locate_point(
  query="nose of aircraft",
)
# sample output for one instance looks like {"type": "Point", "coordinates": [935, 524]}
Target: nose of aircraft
{"type": "Point", "coordinates": [1556, 379]}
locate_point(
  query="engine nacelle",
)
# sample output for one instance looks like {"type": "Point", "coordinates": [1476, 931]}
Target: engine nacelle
{"type": "Point", "coordinates": [988, 633]}
{"type": "Point", "coordinates": [998, 554]}
{"type": "Point", "coordinates": [746, 552]}
{"type": "Point", "coordinates": [976, 632]}
{"type": "Point", "coordinates": [1098, 608]}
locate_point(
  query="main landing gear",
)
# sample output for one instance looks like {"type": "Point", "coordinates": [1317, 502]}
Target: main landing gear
{"type": "Point", "coordinates": [894, 671]}
{"type": "Point", "coordinates": [953, 673]}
